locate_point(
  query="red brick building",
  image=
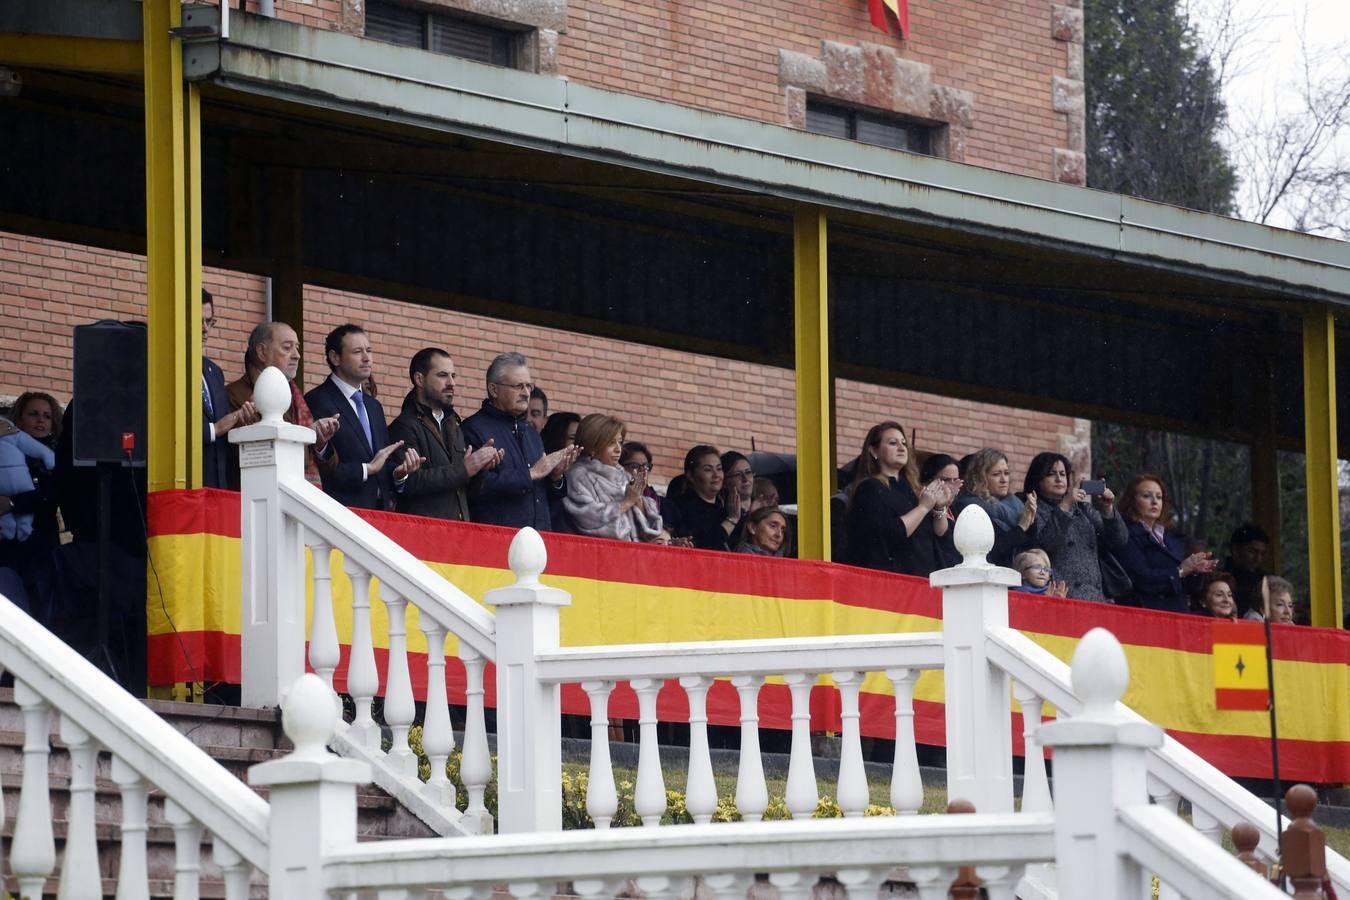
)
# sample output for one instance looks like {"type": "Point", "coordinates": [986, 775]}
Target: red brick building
{"type": "Point", "coordinates": [991, 85]}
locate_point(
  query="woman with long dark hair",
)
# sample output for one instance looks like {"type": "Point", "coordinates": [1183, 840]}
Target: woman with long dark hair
{"type": "Point", "coordinates": [1071, 525]}
{"type": "Point", "coordinates": [893, 521]}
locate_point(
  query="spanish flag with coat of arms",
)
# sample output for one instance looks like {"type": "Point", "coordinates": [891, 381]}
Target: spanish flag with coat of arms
{"type": "Point", "coordinates": [1240, 680]}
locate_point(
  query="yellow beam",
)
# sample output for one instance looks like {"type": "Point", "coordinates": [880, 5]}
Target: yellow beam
{"type": "Point", "coordinates": [815, 432]}
{"type": "Point", "coordinates": [1324, 513]}
{"type": "Point", "coordinates": [72, 54]}
{"type": "Point", "coordinates": [173, 312]}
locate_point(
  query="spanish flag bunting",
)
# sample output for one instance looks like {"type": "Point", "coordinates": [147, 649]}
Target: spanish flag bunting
{"type": "Point", "coordinates": [899, 14]}
{"type": "Point", "coordinates": [1240, 666]}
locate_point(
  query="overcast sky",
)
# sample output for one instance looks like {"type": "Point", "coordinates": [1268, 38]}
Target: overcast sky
{"type": "Point", "coordinates": [1272, 55]}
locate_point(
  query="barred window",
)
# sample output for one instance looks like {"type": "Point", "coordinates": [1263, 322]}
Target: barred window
{"type": "Point", "coordinates": [440, 33]}
{"type": "Point", "coordinates": [868, 127]}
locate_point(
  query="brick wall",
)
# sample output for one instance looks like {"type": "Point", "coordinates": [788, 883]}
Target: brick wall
{"type": "Point", "coordinates": [723, 56]}
{"type": "Point", "coordinates": [671, 400]}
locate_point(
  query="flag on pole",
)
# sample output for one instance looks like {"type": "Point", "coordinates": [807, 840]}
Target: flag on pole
{"type": "Point", "coordinates": [1240, 680]}
{"type": "Point", "coordinates": [899, 14]}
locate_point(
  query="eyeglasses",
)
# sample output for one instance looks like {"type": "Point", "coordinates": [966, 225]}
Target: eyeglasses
{"type": "Point", "coordinates": [744, 473]}
{"type": "Point", "coordinates": [951, 480]}
{"type": "Point", "coordinates": [523, 386]}
{"type": "Point", "coordinates": [1043, 570]}
{"type": "Point", "coordinates": [637, 467]}
{"type": "Point", "coordinates": [209, 323]}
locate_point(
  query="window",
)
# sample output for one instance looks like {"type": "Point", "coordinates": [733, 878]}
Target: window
{"type": "Point", "coordinates": [440, 33]}
{"type": "Point", "coordinates": [868, 127]}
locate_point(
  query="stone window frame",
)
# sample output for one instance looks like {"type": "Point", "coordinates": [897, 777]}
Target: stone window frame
{"type": "Point", "coordinates": [872, 76]}
{"type": "Point", "coordinates": [539, 22]}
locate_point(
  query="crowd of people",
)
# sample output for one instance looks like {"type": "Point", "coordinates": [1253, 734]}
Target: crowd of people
{"type": "Point", "coordinates": [513, 463]}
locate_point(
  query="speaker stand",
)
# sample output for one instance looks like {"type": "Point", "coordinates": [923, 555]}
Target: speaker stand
{"type": "Point", "coordinates": [103, 653]}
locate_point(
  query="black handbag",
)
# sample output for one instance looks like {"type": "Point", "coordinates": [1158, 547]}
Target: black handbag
{"type": "Point", "coordinates": [1116, 582]}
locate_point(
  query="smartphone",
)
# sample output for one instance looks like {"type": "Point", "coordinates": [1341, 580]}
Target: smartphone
{"type": "Point", "coordinates": [1094, 488]}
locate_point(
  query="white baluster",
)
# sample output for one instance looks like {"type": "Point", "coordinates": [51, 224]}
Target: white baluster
{"type": "Point", "coordinates": [934, 882]}
{"type": "Point", "coordinates": [1035, 784]}
{"type": "Point", "coordinates": [133, 878]}
{"type": "Point", "coordinates": [324, 653]}
{"type": "Point", "coordinates": [802, 794]}
{"type": "Point", "coordinates": [655, 887]}
{"type": "Point", "coordinates": [475, 768]}
{"type": "Point", "coordinates": [1206, 824]}
{"type": "Point", "coordinates": [906, 783]}
{"type": "Point", "coordinates": [233, 867]}
{"type": "Point", "coordinates": [853, 794]}
{"type": "Point", "coordinates": [395, 894]}
{"type": "Point", "coordinates": [438, 739]}
{"type": "Point", "coordinates": [792, 884]}
{"type": "Point", "coordinates": [752, 794]}
{"type": "Point", "coordinates": [1000, 882]}
{"type": "Point", "coordinates": [1169, 800]}
{"type": "Point", "coordinates": [862, 883]}
{"type": "Point", "coordinates": [79, 863]}
{"type": "Point", "coordinates": [32, 854]}
{"type": "Point", "coordinates": [187, 851]}
{"type": "Point", "coordinates": [602, 800]}
{"type": "Point", "coordinates": [700, 796]}
{"type": "Point", "coordinates": [399, 709]}
{"type": "Point", "coordinates": [649, 797]}
{"type": "Point", "coordinates": [363, 679]}
{"type": "Point", "coordinates": [729, 885]}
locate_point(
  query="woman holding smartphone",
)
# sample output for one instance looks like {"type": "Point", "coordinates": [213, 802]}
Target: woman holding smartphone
{"type": "Point", "coordinates": [1073, 518]}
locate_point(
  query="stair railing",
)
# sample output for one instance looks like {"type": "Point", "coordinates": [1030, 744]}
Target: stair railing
{"type": "Point", "coordinates": [96, 716]}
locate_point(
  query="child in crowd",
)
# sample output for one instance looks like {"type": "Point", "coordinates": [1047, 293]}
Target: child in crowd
{"type": "Point", "coordinates": [1034, 567]}
{"type": "Point", "coordinates": [16, 449]}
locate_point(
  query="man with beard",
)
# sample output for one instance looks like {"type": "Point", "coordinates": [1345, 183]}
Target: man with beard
{"type": "Point", "coordinates": [428, 424]}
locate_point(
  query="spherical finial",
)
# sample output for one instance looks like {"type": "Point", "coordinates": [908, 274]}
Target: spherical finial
{"type": "Point", "coordinates": [1301, 800]}
{"type": "Point", "coordinates": [1099, 672]}
{"type": "Point", "coordinates": [527, 556]}
{"type": "Point", "coordinates": [1246, 837]}
{"type": "Point", "coordinates": [309, 716]}
{"type": "Point", "coordinates": [272, 395]}
{"type": "Point", "coordinates": [974, 536]}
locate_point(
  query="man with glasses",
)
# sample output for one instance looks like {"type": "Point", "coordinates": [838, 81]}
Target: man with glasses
{"type": "Point", "coordinates": [517, 492]}
{"type": "Point", "coordinates": [217, 416]}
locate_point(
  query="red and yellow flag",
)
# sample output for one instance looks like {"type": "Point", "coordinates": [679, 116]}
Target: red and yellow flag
{"type": "Point", "coordinates": [899, 14]}
{"type": "Point", "coordinates": [1240, 666]}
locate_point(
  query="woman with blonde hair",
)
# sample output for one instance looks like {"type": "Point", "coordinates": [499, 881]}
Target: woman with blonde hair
{"type": "Point", "coordinates": [893, 522]}
{"type": "Point", "coordinates": [603, 499]}
{"type": "Point", "coordinates": [988, 483]}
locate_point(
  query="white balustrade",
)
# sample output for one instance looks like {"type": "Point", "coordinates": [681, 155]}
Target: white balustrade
{"type": "Point", "coordinates": [649, 797]}
{"type": "Point", "coordinates": [324, 652]}
{"type": "Point", "coordinates": [133, 871]}
{"type": "Point", "coordinates": [602, 799]}
{"type": "Point", "coordinates": [700, 787]}
{"type": "Point", "coordinates": [399, 709]}
{"type": "Point", "coordinates": [79, 862]}
{"type": "Point", "coordinates": [906, 782]}
{"type": "Point", "coordinates": [1035, 782]}
{"type": "Point", "coordinates": [476, 764]}
{"type": "Point", "coordinates": [187, 851]}
{"type": "Point", "coordinates": [32, 852]}
{"type": "Point", "coordinates": [802, 794]}
{"type": "Point", "coordinates": [438, 738]}
{"type": "Point", "coordinates": [234, 868]}
{"type": "Point", "coordinates": [852, 794]}
{"type": "Point", "coordinates": [752, 792]}
{"type": "Point", "coordinates": [363, 678]}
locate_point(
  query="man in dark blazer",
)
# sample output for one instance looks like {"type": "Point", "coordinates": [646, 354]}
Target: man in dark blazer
{"type": "Point", "coordinates": [363, 476]}
{"type": "Point", "coordinates": [217, 415]}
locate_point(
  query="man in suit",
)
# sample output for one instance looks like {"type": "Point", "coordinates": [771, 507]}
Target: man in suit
{"type": "Point", "coordinates": [363, 477]}
{"type": "Point", "coordinates": [217, 416]}
{"type": "Point", "coordinates": [276, 344]}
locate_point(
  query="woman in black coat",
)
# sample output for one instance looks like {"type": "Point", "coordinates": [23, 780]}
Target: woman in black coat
{"type": "Point", "coordinates": [893, 523]}
{"type": "Point", "coordinates": [1154, 556]}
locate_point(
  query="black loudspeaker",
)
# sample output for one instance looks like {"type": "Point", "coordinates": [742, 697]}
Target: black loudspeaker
{"type": "Point", "coordinates": [110, 395]}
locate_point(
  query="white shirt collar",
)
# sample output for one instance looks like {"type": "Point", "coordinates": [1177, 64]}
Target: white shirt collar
{"type": "Point", "coordinates": [347, 389]}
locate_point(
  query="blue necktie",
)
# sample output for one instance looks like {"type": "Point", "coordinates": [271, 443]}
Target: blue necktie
{"type": "Point", "coordinates": [360, 400]}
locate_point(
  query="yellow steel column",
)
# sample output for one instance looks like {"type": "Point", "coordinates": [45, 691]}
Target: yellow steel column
{"type": "Point", "coordinates": [1319, 416]}
{"type": "Point", "coordinates": [815, 455]}
{"type": "Point", "coordinates": [173, 256]}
